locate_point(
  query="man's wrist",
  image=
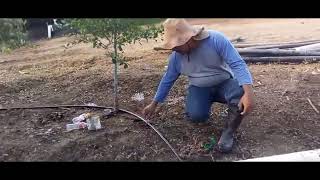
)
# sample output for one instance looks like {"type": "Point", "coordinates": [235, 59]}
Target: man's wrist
{"type": "Point", "coordinates": [247, 88]}
{"type": "Point", "coordinates": [154, 103]}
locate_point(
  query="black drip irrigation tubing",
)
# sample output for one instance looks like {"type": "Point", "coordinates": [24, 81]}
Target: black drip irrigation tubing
{"type": "Point", "coordinates": [163, 138]}
{"type": "Point", "coordinates": [98, 107]}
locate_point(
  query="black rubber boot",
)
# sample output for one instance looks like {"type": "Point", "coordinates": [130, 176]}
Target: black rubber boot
{"type": "Point", "coordinates": [233, 121]}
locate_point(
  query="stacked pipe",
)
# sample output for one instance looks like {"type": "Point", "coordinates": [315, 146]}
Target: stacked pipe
{"type": "Point", "coordinates": [290, 52]}
{"type": "Point", "coordinates": [294, 52]}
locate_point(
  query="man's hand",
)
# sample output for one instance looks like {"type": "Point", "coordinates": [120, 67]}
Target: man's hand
{"type": "Point", "coordinates": [149, 110]}
{"type": "Point", "coordinates": [246, 102]}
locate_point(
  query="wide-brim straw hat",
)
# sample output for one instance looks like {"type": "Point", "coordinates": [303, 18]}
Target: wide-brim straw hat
{"type": "Point", "coordinates": [178, 32]}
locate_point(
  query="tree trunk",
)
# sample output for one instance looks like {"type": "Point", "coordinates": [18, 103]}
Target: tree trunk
{"type": "Point", "coordinates": [283, 59]}
{"type": "Point", "coordinates": [275, 52]}
{"type": "Point", "coordinates": [115, 76]}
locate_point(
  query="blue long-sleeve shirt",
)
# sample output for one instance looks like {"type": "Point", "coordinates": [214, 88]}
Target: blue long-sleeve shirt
{"type": "Point", "coordinates": [206, 65]}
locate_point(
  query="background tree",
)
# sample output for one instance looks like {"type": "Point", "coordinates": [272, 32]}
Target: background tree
{"type": "Point", "coordinates": [112, 35]}
{"type": "Point", "coordinates": [12, 33]}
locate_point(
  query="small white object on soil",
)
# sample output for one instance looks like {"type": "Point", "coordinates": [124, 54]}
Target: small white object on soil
{"type": "Point", "coordinates": [48, 131]}
{"type": "Point", "coordinates": [22, 72]}
{"type": "Point", "coordinates": [175, 100]}
{"type": "Point", "coordinates": [94, 123]}
{"type": "Point", "coordinates": [138, 97]}
{"type": "Point", "coordinates": [107, 110]}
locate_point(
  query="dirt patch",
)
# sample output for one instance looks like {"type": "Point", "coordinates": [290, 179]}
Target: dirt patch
{"type": "Point", "coordinates": [282, 122]}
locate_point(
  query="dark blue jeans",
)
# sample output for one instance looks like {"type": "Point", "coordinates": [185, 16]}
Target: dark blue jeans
{"type": "Point", "coordinates": [200, 99]}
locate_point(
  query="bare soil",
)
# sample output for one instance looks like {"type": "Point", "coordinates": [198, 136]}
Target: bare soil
{"type": "Point", "coordinates": [48, 74]}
